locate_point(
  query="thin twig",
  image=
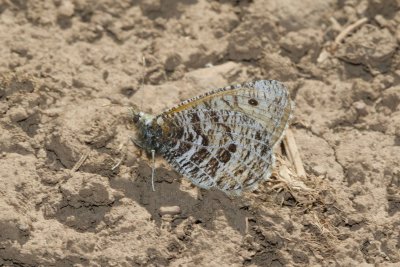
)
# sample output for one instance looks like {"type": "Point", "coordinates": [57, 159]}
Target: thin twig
{"type": "Point", "coordinates": [340, 37]}
{"type": "Point", "coordinates": [349, 29]}
{"type": "Point", "coordinates": [124, 154]}
{"type": "Point", "coordinates": [119, 161]}
{"type": "Point", "coordinates": [335, 24]}
{"type": "Point", "coordinates": [80, 162]}
{"type": "Point", "coordinates": [293, 153]}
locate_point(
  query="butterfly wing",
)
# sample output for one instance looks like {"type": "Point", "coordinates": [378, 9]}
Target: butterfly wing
{"type": "Point", "coordinates": [225, 138]}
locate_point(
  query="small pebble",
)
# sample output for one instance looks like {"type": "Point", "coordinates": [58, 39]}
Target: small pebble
{"type": "Point", "coordinates": [171, 210]}
{"type": "Point", "coordinates": [319, 170]}
{"type": "Point", "coordinates": [361, 108]}
{"type": "Point", "coordinates": [66, 9]}
{"type": "Point", "coordinates": [23, 227]}
{"type": "Point", "coordinates": [18, 114]}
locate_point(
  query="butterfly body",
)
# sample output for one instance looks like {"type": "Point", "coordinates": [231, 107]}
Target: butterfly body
{"type": "Point", "coordinates": [223, 139]}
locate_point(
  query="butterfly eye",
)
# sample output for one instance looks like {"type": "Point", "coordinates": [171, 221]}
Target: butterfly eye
{"type": "Point", "coordinates": [232, 148]}
{"type": "Point", "coordinates": [135, 118]}
{"type": "Point", "coordinates": [135, 115]}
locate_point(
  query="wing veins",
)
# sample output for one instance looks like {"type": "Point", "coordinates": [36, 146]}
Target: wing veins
{"type": "Point", "coordinates": [267, 164]}
{"type": "Point", "coordinates": [201, 169]}
{"type": "Point", "coordinates": [239, 144]}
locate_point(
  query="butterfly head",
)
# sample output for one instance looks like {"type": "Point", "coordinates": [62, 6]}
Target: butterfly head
{"type": "Point", "coordinates": [148, 133]}
{"type": "Point", "coordinates": [140, 118]}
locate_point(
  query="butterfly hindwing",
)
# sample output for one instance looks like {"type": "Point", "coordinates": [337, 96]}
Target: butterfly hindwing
{"type": "Point", "coordinates": [225, 138]}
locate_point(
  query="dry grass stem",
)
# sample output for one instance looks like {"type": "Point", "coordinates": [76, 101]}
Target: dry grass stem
{"type": "Point", "coordinates": [293, 153]}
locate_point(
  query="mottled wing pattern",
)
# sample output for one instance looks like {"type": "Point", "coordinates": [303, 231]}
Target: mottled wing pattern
{"type": "Point", "coordinates": [225, 138]}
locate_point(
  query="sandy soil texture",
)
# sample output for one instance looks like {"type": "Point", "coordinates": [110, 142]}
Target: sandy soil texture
{"type": "Point", "coordinates": [69, 70]}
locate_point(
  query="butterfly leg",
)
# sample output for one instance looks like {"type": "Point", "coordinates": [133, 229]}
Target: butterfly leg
{"type": "Point", "coordinates": [153, 152]}
{"type": "Point", "coordinates": [153, 168]}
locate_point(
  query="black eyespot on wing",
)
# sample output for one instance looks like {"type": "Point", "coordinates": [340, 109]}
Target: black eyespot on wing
{"type": "Point", "coordinates": [232, 148]}
{"type": "Point", "coordinates": [253, 102]}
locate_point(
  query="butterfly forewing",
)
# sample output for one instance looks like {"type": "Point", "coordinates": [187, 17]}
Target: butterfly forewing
{"type": "Point", "coordinates": [225, 138]}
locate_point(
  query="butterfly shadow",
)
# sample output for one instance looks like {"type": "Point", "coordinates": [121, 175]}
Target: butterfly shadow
{"type": "Point", "coordinates": [169, 191]}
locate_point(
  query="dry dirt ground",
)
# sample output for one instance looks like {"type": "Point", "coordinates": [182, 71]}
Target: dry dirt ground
{"type": "Point", "coordinates": [70, 69]}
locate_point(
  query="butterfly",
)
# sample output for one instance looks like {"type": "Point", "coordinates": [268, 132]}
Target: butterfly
{"type": "Point", "coordinates": [223, 139]}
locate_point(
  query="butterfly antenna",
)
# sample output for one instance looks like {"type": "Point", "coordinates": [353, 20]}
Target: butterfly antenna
{"type": "Point", "coordinates": [153, 168]}
{"type": "Point", "coordinates": [143, 78]}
